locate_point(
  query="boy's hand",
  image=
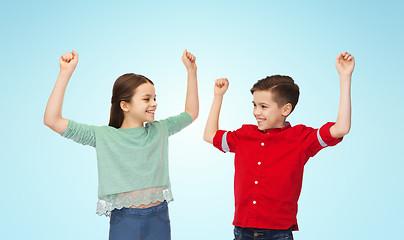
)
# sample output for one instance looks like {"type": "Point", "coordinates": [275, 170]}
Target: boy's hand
{"type": "Point", "coordinates": [68, 61]}
{"type": "Point", "coordinates": [189, 60]}
{"type": "Point", "coordinates": [345, 64]}
{"type": "Point", "coordinates": [221, 86]}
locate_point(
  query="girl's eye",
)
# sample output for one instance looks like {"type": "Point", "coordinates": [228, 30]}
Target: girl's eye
{"type": "Point", "coordinates": [146, 99]}
{"type": "Point", "coordinates": [264, 106]}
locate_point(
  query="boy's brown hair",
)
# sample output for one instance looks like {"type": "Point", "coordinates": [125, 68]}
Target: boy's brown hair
{"type": "Point", "coordinates": [284, 89]}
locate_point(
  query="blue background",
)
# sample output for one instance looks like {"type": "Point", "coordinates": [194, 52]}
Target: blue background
{"type": "Point", "coordinates": [49, 184]}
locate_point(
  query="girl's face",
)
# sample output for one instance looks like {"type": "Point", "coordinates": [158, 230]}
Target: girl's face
{"type": "Point", "coordinates": [143, 104]}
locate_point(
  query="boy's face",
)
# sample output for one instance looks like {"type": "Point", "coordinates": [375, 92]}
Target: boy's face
{"type": "Point", "coordinates": [267, 112]}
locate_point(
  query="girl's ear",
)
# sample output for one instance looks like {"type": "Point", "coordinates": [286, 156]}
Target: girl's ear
{"type": "Point", "coordinates": [124, 106]}
{"type": "Point", "coordinates": [287, 109]}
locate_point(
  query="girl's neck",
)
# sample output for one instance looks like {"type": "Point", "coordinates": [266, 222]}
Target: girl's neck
{"type": "Point", "coordinates": [131, 123]}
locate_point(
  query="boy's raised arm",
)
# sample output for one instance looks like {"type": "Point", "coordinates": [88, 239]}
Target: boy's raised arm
{"type": "Point", "coordinates": [345, 64]}
{"type": "Point", "coordinates": [212, 124]}
{"type": "Point", "coordinates": [192, 100]}
{"type": "Point", "coordinates": [53, 112]}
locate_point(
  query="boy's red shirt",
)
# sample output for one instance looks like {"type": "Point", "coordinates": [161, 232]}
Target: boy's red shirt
{"type": "Point", "coordinates": [269, 171]}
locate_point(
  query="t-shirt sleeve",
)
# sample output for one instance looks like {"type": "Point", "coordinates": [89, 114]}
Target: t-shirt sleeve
{"type": "Point", "coordinates": [313, 140]}
{"type": "Point", "coordinates": [80, 133]}
{"type": "Point", "coordinates": [176, 123]}
{"type": "Point", "coordinates": [226, 141]}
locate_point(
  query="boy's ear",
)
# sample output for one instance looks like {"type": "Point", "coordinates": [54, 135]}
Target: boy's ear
{"type": "Point", "coordinates": [286, 109]}
{"type": "Point", "coordinates": [124, 106]}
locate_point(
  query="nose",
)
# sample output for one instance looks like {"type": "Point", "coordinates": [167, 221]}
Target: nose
{"type": "Point", "coordinates": [154, 104]}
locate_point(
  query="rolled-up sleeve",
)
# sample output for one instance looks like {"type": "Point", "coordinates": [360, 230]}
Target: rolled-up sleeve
{"type": "Point", "coordinates": [176, 123]}
{"type": "Point", "coordinates": [324, 134]}
{"type": "Point", "coordinates": [313, 140]}
{"type": "Point", "coordinates": [226, 141]}
{"type": "Point", "coordinates": [80, 133]}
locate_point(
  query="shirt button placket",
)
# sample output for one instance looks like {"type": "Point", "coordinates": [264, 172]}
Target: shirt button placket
{"type": "Point", "coordinates": [257, 175]}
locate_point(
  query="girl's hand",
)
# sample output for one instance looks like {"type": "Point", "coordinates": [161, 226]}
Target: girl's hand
{"type": "Point", "coordinates": [221, 86]}
{"type": "Point", "coordinates": [68, 61]}
{"type": "Point", "coordinates": [189, 61]}
{"type": "Point", "coordinates": [345, 64]}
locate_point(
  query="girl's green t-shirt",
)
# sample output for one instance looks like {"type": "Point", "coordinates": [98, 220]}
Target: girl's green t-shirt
{"type": "Point", "coordinates": [129, 159]}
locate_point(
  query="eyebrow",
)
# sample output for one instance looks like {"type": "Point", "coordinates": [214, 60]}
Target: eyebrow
{"type": "Point", "coordinates": [149, 95]}
{"type": "Point", "coordinates": [260, 103]}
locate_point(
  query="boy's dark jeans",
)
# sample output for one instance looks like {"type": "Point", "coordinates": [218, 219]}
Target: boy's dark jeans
{"type": "Point", "coordinates": [261, 234]}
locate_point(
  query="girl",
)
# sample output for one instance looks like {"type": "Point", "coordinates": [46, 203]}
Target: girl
{"type": "Point", "coordinates": [132, 151]}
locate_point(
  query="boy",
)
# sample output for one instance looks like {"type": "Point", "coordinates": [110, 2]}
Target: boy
{"type": "Point", "coordinates": [270, 157]}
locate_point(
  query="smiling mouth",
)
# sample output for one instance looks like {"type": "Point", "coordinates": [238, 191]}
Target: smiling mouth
{"type": "Point", "coordinates": [260, 120]}
{"type": "Point", "coordinates": [150, 111]}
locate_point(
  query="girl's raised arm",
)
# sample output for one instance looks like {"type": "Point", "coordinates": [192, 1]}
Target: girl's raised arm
{"type": "Point", "coordinates": [192, 100]}
{"type": "Point", "coordinates": [53, 112]}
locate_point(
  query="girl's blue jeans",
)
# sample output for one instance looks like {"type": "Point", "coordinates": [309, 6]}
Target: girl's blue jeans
{"type": "Point", "coordinates": [140, 223]}
{"type": "Point", "coordinates": [261, 234]}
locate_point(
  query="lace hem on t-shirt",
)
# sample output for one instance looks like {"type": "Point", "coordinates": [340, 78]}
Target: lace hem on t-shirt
{"type": "Point", "coordinates": [134, 198]}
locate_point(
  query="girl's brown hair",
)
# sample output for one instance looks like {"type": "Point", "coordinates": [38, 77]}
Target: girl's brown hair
{"type": "Point", "coordinates": [123, 90]}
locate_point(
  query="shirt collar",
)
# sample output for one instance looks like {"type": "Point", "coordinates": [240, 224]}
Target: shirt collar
{"type": "Point", "coordinates": [287, 126]}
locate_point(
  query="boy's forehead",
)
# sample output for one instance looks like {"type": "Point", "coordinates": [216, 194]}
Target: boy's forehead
{"type": "Point", "coordinates": [262, 96]}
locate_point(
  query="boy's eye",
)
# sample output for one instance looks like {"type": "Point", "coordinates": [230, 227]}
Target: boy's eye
{"type": "Point", "coordinates": [264, 106]}
{"type": "Point", "coordinates": [146, 99]}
